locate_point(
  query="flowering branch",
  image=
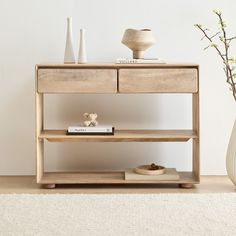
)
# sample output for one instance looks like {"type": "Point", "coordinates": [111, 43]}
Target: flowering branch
{"type": "Point", "coordinates": [229, 62]}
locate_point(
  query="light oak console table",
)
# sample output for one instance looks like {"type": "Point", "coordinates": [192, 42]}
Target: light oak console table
{"type": "Point", "coordinates": [116, 79]}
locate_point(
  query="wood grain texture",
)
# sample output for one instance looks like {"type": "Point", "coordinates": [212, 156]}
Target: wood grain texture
{"type": "Point", "coordinates": [39, 142]}
{"type": "Point", "coordinates": [107, 178]}
{"type": "Point", "coordinates": [196, 142]}
{"type": "Point", "coordinates": [158, 80]}
{"type": "Point", "coordinates": [102, 78]}
{"type": "Point", "coordinates": [115, 66]}
{"type": "Point", "coordinates": [122, 136]}
{"type": "Point", "coordinates": [27, 184]}
{"type": "Point", "coordinates": [77, 81]}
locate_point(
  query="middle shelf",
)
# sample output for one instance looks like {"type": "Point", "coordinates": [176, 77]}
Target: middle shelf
{"type": "Point", "coordinates": [122, 136]}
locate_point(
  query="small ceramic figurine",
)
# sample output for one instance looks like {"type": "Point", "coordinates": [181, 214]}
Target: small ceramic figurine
{"type": "Point", "coordinates": [90, 119]}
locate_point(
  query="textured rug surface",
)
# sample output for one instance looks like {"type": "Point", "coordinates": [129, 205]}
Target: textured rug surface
{"type": "Point", "coordinates": [118, 214]}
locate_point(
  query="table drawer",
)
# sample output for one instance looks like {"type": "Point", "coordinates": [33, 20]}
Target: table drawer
{"type": "Point", "coordinates": [77, 81]}
{"type": "Point", "coordinates": [158, 80]}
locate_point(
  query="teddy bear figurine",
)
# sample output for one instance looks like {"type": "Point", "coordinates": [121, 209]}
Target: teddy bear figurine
{"type": "Point", "coordinates": [90, 119]}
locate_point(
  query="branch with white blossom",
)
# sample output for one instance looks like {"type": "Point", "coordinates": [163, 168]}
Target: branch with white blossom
{"type": "Point", "coordinates": [229, 62]}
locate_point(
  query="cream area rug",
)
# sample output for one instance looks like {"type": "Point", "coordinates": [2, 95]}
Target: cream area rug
{"type": "Point", "coordinates": [118, 214]}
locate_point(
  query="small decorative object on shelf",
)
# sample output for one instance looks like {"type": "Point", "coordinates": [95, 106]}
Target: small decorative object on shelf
{"type": "Point", "coordinates": [221, 42]}
{"type": "Point", "coordinates": [138, 41]}
{"type": "Point", "coordinates": [69, 56]}
{"type": "Point", "coordinates": [152, 169]}
{"type": "Point", "coordinates": [90, 127]}
{"type": "Point", "coordinates": [82, 48]}
{"type": "Point", "coordinates": [153, 166]}
{"type": "Point", "coordinates": [144, 173]}
{"type": "Point", "coordinates": [90, 119]}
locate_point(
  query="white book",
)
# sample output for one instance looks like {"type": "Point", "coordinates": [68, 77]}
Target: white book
{"type": "Point", "coordinates": [139, 61]}
{"type": "Point", "coordinates": [96, 129]}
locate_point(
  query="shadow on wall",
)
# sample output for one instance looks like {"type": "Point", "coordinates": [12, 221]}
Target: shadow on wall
{"type": "Point", "coordinates": [116, 156]}
{"type": "Point", "coordinates": [124, 112]}
{"type": "Point", "coordinates": [17, 152]}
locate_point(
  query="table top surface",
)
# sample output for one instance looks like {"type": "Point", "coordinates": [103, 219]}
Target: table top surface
{"type": "Point", "coordinates": [115, 65]}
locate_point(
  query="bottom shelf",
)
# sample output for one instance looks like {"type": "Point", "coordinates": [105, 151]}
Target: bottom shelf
{"type": "Point", "coordinates": [108, 178]}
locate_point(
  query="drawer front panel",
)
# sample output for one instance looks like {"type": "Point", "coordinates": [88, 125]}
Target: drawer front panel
{"type": "Point", "coordinates": [77, 81]}
{"type": "Point", "coordinates": [158, 80]}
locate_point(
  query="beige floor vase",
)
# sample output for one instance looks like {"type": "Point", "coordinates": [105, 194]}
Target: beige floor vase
{"type": "Point", "coordinates": [231, 156]}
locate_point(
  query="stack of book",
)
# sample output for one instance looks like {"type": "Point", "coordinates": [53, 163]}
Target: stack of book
{"type": "Point", "coordinates": [97, 130]}
{"type": "Point", "coordinates": [139, 61]}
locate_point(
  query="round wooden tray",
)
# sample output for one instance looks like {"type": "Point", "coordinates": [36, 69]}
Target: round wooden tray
{"type": "Point", "coordinates": [145, 170]}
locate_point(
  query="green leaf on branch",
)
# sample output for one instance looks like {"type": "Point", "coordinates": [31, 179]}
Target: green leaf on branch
{"type": "Point", "coordinates": [222, 24]}
{"type": "Point", "coordinates": [214, 45]}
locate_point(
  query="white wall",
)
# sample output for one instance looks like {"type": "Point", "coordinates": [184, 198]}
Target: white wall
{"type": "Point", "coordinates": [34, 31]}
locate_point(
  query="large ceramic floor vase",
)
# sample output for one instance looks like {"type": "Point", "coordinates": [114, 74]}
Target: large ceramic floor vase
{"type": "Point", "coordinates": [231, 156]}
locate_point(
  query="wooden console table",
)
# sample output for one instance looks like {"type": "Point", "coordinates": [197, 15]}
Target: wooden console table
{"type": "Point", "coordinates": [114, 79]}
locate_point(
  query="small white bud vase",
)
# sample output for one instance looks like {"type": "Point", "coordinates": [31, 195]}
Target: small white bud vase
{"type": "Point", "coordinates": [69, 56]}
{"type": "Point", "coordinates": [82, 48]}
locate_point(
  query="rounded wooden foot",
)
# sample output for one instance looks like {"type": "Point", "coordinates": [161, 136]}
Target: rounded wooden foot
{"type": "Point", "coordinates": [49, 186]}
{"type": "Point", "coordinates": [186, 185]}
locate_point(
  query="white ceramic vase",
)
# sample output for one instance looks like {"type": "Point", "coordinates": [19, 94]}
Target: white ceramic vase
{"type": "Point", "coordinates": [82, 48]}
{"type": "Point", "coordinates": [231, 156]}
{"type": "Point", "coordinates": [69, 56]}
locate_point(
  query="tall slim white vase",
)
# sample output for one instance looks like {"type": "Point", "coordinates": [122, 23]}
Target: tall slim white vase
{"type": "Point", "coordinates": [231, 156]}
{"type": "Point", "coordinates": [69, 56]}
{"type": "Point", "coordinates": [82, 48]}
